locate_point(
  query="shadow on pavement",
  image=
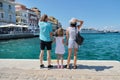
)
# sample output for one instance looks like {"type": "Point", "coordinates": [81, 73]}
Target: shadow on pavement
{"type": "Point", "coordinates": [97, 68]}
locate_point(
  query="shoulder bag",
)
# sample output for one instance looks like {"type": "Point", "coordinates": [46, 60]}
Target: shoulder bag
{"type": "Point", "coordinates": [79, 39]}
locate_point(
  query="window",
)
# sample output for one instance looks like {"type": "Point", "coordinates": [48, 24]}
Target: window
{"type": "Point", "coordinates": [1, 4]}
{"type": "Point", "coordinates": [9, 6]}
{"type": "Point", "coordinates": [25, 15]}
{"type": "Point", "coordinates": [2, 15]}
{"type": "Point", "coordinates": [10, 17]}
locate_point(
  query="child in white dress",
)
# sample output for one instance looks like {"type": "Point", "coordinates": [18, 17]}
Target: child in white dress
{"type": "Point", "coordinates": [59, 50]}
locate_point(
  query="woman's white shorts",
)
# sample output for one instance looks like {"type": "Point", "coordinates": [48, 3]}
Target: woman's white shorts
{"type": "Point", "coordinates": [72, 44]}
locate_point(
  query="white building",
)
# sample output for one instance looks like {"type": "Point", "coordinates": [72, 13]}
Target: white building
{"type": "Point", "coordinates": [7, 12]}
{"type": "Point", "coordinates": [26, 16]}
{"type": "Point", "coordinates": [21, 14]}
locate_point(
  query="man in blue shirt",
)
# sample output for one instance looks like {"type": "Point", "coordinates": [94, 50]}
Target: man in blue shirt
{"type": "Point", "coordinates": [45, 30]}
{"type": "Point", "coordinates": [45, 39]}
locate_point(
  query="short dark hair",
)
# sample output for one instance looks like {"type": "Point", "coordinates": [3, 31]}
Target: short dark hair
{"type": "Point", "coordinates": [43, 18]}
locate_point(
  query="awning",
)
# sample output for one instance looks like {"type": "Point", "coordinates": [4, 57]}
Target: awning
{"type": "Point", "coordinates": [25, 26]}
{"type": "Point", "coordinates": [13, 25]}
{"type": "Point", "coordinates": [8, 25]}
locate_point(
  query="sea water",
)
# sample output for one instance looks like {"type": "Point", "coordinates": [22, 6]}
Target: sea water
{"type": "Point", "coordinates": [95, 47]}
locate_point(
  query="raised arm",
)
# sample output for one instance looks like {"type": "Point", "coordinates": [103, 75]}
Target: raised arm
{"type": "Point", "coordinates": [81, 23]}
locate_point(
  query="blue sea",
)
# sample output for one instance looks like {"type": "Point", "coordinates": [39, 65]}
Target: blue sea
{"type": "Point", "coordinates": [95, 47]}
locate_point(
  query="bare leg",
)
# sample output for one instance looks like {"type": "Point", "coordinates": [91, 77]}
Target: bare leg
{"type": "Point", "coordinates": [69, 56]}
{"type": "Point", "coordinates": [58, 57]}
{"type": "Point", "coordinates": [49, 57]}
{"type": "Point", "coordinates": [75, 56]}
{"type": "Point", "coordinates": [41, 57]}
{"type": "Point", "coordinates": [61, 57]}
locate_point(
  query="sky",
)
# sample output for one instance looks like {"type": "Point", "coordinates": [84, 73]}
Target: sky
{"type": "Point", "coordinates": [98, 14]}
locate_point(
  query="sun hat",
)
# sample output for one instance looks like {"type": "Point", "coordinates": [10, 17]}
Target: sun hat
{"type": "Point", "coordinates": [72, 20]}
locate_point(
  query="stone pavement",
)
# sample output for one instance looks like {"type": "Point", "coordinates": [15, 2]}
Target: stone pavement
{"type": "Point", "coordinates": [24, 69]}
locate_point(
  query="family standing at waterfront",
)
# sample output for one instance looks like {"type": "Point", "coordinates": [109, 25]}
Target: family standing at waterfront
{"type": "Point", "coordinates": [46, 36]}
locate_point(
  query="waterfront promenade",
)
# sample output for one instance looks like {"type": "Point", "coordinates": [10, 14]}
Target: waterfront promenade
{"type": "Point", "coordinates": [24, 69]}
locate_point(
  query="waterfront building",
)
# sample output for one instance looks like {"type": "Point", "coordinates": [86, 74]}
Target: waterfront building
{"type": "Point", "coordinates": [27, 17]}
{"type": "Point", "coordinates": [54, 22]}
{"type": "Point", "coordinates": [37, 11]}
{"type": "Point", "coordinates": [32, 20]}
{"type": "Point", "coordinates": [7, 15]}
{"type": "Point", "coordinates": [7, 12]}
{"type": "Point", "coordinates": [21, 14]}
{"type": "Point", "coordinates": [21, 17]}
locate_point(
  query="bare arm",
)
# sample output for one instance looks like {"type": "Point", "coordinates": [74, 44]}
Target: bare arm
{"type": "Point", "coordinates": [51, 36]}
{"type": "Point", "coordinates": [63, 41]}
{"type": "Point", "coordinates": [67, 36]}
{"type": "Point", "coordinates": [81, 23]}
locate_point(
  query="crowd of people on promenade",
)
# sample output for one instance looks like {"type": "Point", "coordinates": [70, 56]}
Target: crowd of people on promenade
{"type": "Point", "coordinates": [46, 40]}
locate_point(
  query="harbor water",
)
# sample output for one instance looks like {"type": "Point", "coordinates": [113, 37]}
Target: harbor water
{"type": "Point", "coordinates": [95, 47]}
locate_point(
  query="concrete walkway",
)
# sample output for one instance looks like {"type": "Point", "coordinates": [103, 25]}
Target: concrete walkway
{"type": "Point", "coordinates": [24, 69]}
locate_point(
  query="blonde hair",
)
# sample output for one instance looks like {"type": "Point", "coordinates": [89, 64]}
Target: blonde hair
{"type": "Point", "coordinates": [60, 32]}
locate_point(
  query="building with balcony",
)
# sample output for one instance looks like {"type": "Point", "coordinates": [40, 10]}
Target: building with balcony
{"type": "Point", "coordinates": [12, 13]}
{"type": "Point", "coordinates": [37, 11]}
{"type": "Point", "coordinates": [54, 22]}
{"type": "Point", "coordinates": [7, 12]}
{"type": "Point", "coordinates": [26, 16]}
{"type": "Point", "coordinates": [21, 14]}
{"type": "Point", "coordinates": [32, 19]}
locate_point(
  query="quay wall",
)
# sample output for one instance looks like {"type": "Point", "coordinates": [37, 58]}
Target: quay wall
{"type": "Point", "coordinates": [16, 36]}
